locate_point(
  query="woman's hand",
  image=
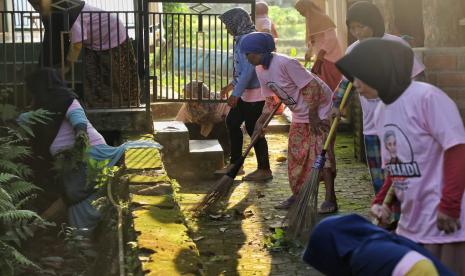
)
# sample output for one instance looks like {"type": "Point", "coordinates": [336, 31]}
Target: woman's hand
{"type": "Point", "coordinates": [225, 91]}
{"type": "Point", "coordinates": [381, 212]}
{"type": "Point", "coordinates": [232, 101]}
{"type": "Point", "coordinates": [447, 224]}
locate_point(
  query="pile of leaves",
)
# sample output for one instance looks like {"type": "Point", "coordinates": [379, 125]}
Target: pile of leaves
{"type": "Point", "coordinates": [17, 224]}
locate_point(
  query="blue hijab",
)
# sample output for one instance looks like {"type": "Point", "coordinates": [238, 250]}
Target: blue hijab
{"type": "Point", "coordinates": [259, 43]}
{"type": "Point", "coordinates": [351, 245]}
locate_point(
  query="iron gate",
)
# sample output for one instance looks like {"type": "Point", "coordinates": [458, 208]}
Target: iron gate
{"type": "Point", "coordinates": [172, 49]}
{"type": "Point", "coordinates": [193, 46]}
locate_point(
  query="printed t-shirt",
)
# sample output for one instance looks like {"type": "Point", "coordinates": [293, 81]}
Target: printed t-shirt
{"type": "Point", "coordinates": [290, 76]}
{"type": "Point", "coordinates": [414, 132]}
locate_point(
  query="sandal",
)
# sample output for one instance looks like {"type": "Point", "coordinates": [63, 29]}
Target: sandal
{"type": "Point", "coordinates": [327, 207]}
{"type": "Point", "coordinates": [286, 204]}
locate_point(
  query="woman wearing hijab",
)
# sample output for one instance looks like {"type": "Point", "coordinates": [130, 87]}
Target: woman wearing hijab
{"type": "Point", "coordinates": [111, 78]}
{"type": "Point", "coordinates": [322, 42]}
{"type": "Point", "coordinates": [246, 101]}
{"type": "Point", "coordinates": [67, 132]}
{"type": "Point", "coordinates": [309, 99]}
{"type": "Point", "coordinates": [430, 141]}
{"type": "Point", "coordinates": [351, 245]}
{"type": "Point", "coordinates": [55, 21]}
{"type": "Point", "coordinates": [364, 20]}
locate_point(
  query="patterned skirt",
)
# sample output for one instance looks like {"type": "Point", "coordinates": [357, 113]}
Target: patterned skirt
{"type": "Point", "coordinates": [303, 148]}
{"type": "Point", "coordinates": [111, 78]}
{"type": "Point", "coordinates": [373, 156]}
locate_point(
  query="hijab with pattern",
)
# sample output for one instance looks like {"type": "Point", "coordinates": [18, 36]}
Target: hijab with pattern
{"type": "Point", "coordinates": [382, 64]}
{"type": "Point", "coordinates": [238, 21]}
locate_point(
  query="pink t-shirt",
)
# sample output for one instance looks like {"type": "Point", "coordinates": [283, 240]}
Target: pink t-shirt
{"type": "Point", "coordinates": [107, 31]}
{"type": "Point", "coordinates": [262, 23]}
{"type": "Point", "coordinates": [327, 40]}
{"type": "Point", "coordinates": [369, 106]}
{"type": "Point", "coordinates": [66, 135]}
{"type": "Point", "coordinates": [414, 132]}
{"type": "Point", "coordinates": [252, 95]}
{"type": "Point", "coordinates": [290, 76]}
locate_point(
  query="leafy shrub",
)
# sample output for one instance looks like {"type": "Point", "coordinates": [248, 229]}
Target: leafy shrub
{"type": "Point", "coordinates": [16, 223]}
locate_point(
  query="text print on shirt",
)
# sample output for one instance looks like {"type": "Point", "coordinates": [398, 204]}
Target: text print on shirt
{"type": "Point", "coordinates": [392, 137]}
{"type": "Point", "coordinates": [282, 95]}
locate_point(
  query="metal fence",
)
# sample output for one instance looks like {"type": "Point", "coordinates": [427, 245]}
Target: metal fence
{"type": "Point", "coordinates": [164, 52]}
{"type": "Point", "coordinates": [194, 47]}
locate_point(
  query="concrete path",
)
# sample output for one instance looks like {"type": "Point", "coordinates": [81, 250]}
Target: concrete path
{"type": "Point", "coordinates": [233, 242]}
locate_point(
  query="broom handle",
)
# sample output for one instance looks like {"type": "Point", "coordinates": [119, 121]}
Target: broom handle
{"type": "Point", "coordinates": [388, 199]}
{"type": "Point", "coordinates": [265, 124]}
{"type": "Point", "coordinates": [337, 119]}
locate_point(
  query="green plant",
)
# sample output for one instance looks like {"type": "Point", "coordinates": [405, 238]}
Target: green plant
{"type": "Point", "coordinates": [16, 223]}
{"type": "Point", "coordinates": [277, 241]}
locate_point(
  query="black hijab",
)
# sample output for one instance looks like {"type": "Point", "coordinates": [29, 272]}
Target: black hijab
{"type": "Point", "coordinates": [382, 64]}
{"type": "Point", "coordinates": [49, 92]}
{"type": "Point", "coordinates": [61, 18]}
{"type": "Point", "coordinates": [369, 15]}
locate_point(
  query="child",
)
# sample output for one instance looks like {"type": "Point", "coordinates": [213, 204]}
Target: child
{"type": "Point", "coordinates": [246, 101]}
{"type": "Point", "coordinates": [263, 22]}
{"type": "Point", "coordinates": [364, 20]}
{"type": "Point", "coordinates": [309, 99]}
{"type": "Point", "coordinates": [351, 245]}
{"type": "Point", "coordinates": [321, 41]}
{"type": "Point", "coordinates": [425, 161]}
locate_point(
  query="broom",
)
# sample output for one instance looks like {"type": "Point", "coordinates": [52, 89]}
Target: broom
{"type": "Point", "coordinates": [302, 215]}
{"type": "Point", "coordinates": [222, 188]}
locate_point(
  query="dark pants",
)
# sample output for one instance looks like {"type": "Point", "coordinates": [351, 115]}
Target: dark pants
{"type": "Point", "coordinates": [248, 113]}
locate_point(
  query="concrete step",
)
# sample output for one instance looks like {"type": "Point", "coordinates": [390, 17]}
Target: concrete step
{"type": "Point", "coordinates": [279, 124]}
{"type": "Point", "coordinates": [165, 111]}
{"type": "Point", "coordinates": [206, 156]}
{"type": "Point", "coordinates": [173, 136]}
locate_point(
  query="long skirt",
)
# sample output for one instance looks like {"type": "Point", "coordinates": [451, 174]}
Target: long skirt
{"type": "Point", "coordinates": [111, 78]}
{"type": "Point", "coordinates": [450, 254]}
{"type": "Point", "coordinates": [303, 148]}
{"type": "Point", "coordinates": [373, 156]}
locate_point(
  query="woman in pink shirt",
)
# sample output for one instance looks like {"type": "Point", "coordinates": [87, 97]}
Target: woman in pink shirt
{"type": "Point", "coordinates": [111, 78]}
{"type": "Point", "coordinates": [322, 42]}
{"type": "Point", "coordinates": [309, 99]}
{"type": "Point", "coordinates": [423, 147]}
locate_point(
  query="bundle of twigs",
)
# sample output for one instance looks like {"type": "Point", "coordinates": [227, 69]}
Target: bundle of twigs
{"type": "Point", "coordinates": [223, 187]}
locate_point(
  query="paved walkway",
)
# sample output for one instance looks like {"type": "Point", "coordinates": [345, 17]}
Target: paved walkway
{"type": "Point", "coordinates": [233, 242]}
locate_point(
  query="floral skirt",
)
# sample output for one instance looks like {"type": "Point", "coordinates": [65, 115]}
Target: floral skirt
{"type": "Point", "coordinates": [111, 78]}
{"type": "Point", "coordinates": [303, 148]}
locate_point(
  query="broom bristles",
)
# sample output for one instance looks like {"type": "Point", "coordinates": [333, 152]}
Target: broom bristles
{"type": "Point", "coordinates": [303, 213]}
{"type": "Point", "coordinates": [218, 192]}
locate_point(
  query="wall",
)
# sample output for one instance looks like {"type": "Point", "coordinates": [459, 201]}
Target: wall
{"type": "Point", "coordinates": [445, 68]}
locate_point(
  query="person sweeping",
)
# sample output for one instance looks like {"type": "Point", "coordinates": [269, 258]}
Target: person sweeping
{"type": "Point", "coordinates": [423, 147]}
{"type": "Point", "coordinates": [310, 101]}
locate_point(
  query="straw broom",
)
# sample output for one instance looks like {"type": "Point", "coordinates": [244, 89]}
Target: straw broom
{"type": "Point", "coordinates": [223, 187]}
{"type": "Point", "coordinates": [302, 215]}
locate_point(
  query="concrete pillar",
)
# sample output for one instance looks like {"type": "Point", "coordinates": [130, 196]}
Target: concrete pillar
{"type": "Point", "coordinates": [387, 9]}
{"type": "Point", "coordinates": [441, 20]}
{"type": "Point", "coordinates": [337, 10]}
